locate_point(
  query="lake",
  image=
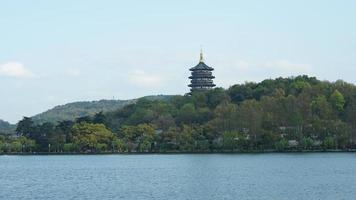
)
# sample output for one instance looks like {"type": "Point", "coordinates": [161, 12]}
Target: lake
{"type": "Point", "coordinates": [181, 176]}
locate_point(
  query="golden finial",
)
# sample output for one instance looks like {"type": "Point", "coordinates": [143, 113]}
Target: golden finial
{"type": "Point", "coordinates": [201, 54]}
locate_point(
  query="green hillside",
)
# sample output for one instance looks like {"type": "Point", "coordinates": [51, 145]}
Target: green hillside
{"type": "Point", "coordinates": [75, 110]}
{"type": "Point", "coordinates": [283, 114]}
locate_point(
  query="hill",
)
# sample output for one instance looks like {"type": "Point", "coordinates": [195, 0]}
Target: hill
{"type": "Point", "coordinates": [6, 127]}
{"type": "Point", "coordinates": [74, 110]}
{"type": "Point", "coordinates": [283, 114]}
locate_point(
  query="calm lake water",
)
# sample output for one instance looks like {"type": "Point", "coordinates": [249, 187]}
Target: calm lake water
{"type": "Point", "coordinates": [214, 176]}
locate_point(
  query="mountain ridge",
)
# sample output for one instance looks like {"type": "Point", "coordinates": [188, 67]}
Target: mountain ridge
{"type": "Point", "coordinates": [73, 110]}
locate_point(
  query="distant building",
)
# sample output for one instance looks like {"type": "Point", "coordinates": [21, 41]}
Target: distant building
{"type": "Point", "coordinates": [202, 77]}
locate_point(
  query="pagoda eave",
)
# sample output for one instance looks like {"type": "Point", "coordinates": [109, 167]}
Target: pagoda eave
{"type": "Point", "coordinates": [201, 85]}
{"type": "Point", "coordinates": [192, 69]}
{"type": "Point", "coordinates": [209, 77]}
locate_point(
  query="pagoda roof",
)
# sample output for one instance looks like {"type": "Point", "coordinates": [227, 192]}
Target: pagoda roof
{"type": "Point", "coordinates": [201, 66]}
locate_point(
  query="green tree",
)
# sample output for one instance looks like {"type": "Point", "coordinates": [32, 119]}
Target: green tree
{"type": "Point", "coordinates": [225, 117]}
{"type": "Point", "coordinates": [337, 101]}
{"type": "Point", "coordinates": [250, 115]}
{"type": "Point", "coordinates": [16, 146]}
{"type": "Point", "coordinates": [230, 140]}
{"type": "Point", "coordinates": [329, 143]}
{"type": "Point", "coordinates": [281, 145]}
{"type": "Point", "coordinates": [187, 114]}
{"type": "Point", "coordinates": [2, 146]}
{"type": "Point", "coordinates": [216, 96]}
{"type": "Point", "coordinates": [321, 108]}
{"type": "Point", "coordinates": [99, 118]}
{"type": "Point", "coordinates": [146, 133]}
{"type": "Point", "coordinates": [307, 143]}
{"type": "Point", "coordinates": [268, 139]}
{"type": "Point", "coordinates": [300, 85]}
{"type": "Point", "coordinates": [25, 127]}
{"type": "Point", "coordinates": [145, 146]}
{"type": "Point", "coordinates": [87, 136]}
{"type": "Point", "coordinates": [69, 147]}
{"type": "Point", "coordinates": [118, 145]}
{"type": "Point", "coordinates": [186, 139]}
{"type": "Point", "coordinates": [130, 136]}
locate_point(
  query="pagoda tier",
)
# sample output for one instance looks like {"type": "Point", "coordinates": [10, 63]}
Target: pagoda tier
{"type": "Point", "coordinates": [201, 78]}
{"type": "Point", "coordinates": [199, 82]}
{"type": "Point", "coordinates": [202, 74]}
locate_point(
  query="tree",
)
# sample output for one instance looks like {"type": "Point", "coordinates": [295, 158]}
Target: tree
{"type": "Point", "coordinates": [307, 143]}
{"type": "Point", "coordinates": [2, 147]}
{"type": "Point", "coordinates": [239, 93]}
{"type": "Point", "coordinates": [164, 122]}
{"type": "Point", "coordinates": [321, 108]}
{"type": "Point", "coordinates": [129, 134]}
{"type": "Point", "coordinates": [27, 145]}
{"type": "Point", "coordinates": [186, 114]}
{"type": "Point", "coordinates": [328, 143]}
{"type": "Point", "coordinates": [118, 145]}
{"type": "Point", "coordinates": [146, 133]}
{"type": "Point", "coordinates": [141, 115]}
{"type": "Point", "coordinates": [337, 101]}
{"type": "Point", "coordinates": [87, 136]}
{"type": "Point", "coordinates": [62, 134]}
{"type": "Point", "coordinates": [169, 139]}
{"type": "Point", "coordinates": [199, 98]}
{"type": "Point", "coordinates": [350, 118]}
{"type": "Point", "coordinates": [69, 147]}
{"type": "Point", "coordinates": [216, 96]}
{"type": "Point", "coordinates": [43, 135]}
{"type": "Point", "coordinates": [16, 146]}
{"type": "Point", "coordinates": [225, 117]}
{"type": "Point", "coordinates": [99, 118]}
{"type": "Point", "coordinates": [86, 119]}
{"type": "Point", "coordinates": [250, 115]}
{"type": "Point", "coordinates": [2, 144]}
{"type": "Point", "coordinates": [268, 139]}
{"type": "Point", "coordinates": [281, 145]}
{"type": "Point", "coordinates": [186, 140]}
{"type": "Point", "coordinates": [300, 85]}
{"type": "Point", "coordinates": [25, 127]}
{"type": "Point", "coordinates": [230, 140]}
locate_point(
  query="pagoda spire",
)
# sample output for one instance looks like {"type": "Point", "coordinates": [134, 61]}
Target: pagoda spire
{"type": "Point", "coordinates": [201, 55]}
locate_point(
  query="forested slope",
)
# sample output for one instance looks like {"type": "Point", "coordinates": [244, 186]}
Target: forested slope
{"type": "Point", "coordinates": [297, 113]}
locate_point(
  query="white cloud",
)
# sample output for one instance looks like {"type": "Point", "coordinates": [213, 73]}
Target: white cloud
{"type": "Point", "coordinates": [142, 79]}
{"type": "Point", "coordinates": [15, 70]}
{"type": "Point", "coordinates": [73, 72]}
{"type": "Point", "coordinates": [288, 66]}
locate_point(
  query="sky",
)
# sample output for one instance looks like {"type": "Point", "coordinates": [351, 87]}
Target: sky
{"type": "Point", "coordinates": [61, 51]}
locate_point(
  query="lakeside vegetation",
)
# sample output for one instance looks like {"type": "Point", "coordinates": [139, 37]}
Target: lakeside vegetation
{"type": "Point", "coordinates": [299, 113]}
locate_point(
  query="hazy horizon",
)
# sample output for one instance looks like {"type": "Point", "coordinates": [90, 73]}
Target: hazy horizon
{"type": "Point", "coordinates": [57, 52]}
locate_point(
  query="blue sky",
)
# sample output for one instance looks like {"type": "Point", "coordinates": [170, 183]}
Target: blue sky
{"type": "Point", "coordinates": [56, 52]}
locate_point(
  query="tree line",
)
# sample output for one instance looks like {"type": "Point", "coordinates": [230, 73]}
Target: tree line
{"type": "Point", "coordinates": [283, 114]}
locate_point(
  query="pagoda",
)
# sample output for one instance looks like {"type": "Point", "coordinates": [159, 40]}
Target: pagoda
{"type": "Point", "coordinates": [202, 77]}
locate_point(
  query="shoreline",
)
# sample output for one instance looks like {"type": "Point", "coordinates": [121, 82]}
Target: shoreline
{"type": "Point", "coordinates": [176, 153]}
